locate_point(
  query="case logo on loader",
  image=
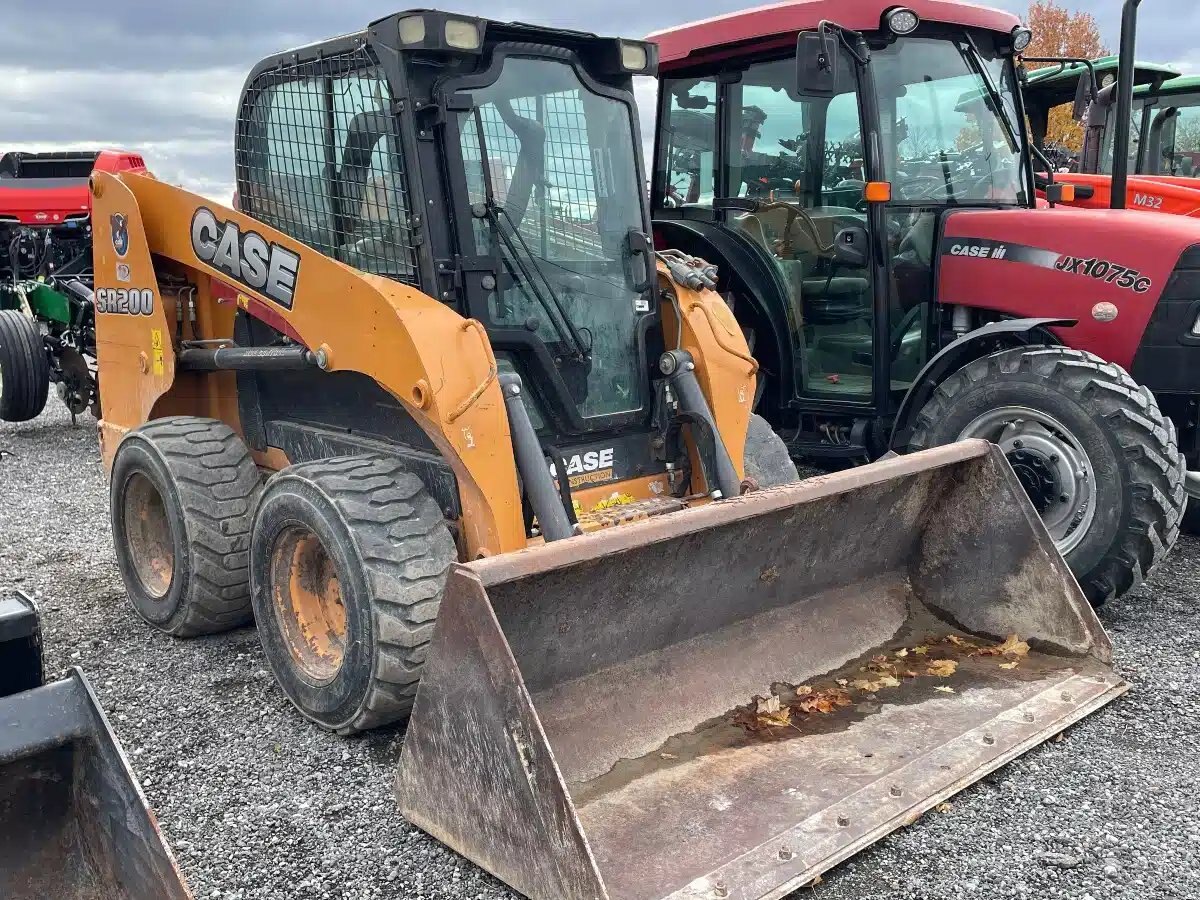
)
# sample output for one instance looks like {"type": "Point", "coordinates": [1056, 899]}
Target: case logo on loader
{"type": "Point", "coordinates": [120, 233]}
{"type": "Point", "coordinates": [247, 258]}
{"type": "Point", "coordinates": [592, 467]}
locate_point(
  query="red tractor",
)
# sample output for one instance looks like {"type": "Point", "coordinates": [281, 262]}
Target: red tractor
{"type": "Point", "coordinates": [861, 175]}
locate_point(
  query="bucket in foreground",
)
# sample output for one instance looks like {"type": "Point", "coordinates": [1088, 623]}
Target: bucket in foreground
{"type": "Point", "coordinates": [75, 824]}
{"type": "Point", "coordinates": [728, 701]}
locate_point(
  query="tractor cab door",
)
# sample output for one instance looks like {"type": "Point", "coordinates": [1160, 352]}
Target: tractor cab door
{"type": "Point", "coordinates": [792, 179]}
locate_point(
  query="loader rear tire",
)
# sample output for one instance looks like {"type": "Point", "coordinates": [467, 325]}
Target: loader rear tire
{"type": "Point", "coordinates": [767, 461]}
{"type": "Point", "coordinates": [182, 495]}
{"type": "Point", "coordinates": [1071, 405]}
{"type": "Point", "coordinates": [348, 560]}
{"type": "Point", "coordinates": [24, 368]}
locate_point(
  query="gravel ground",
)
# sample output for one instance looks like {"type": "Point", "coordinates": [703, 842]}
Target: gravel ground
{"type": "Point", "coordinates": [257, 803]}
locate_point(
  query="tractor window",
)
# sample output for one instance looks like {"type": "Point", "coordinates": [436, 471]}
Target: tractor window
{"type": "Point", "coordinates": [553, 164]}
{"type": "Point", "coordinates": [1179, 146]}
{"type": "Point", "coordinates": [686, 173]}
{"type": "Point", "coordinates": [947, 138]}
{"type": "Point", "coordinates": [802, 158]}
{"type": "Point", "coordinates": [319, 158]}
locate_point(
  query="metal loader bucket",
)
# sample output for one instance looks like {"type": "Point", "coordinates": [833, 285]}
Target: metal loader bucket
{"type": "Point", "coordinates": [726, 702]}
{"type": "Point", "coordinates": [73, 821]}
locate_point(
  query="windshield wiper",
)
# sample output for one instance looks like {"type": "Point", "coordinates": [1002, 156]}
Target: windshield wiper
{"type": "Point", "coordinates": [524, 259]}
{"type": "Point", "coordinates": [975, 60]}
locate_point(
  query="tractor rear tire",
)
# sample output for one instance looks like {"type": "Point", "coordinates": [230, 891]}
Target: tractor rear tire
{"type": "Point", "coordinates": [182, 497]}
{"type": "Point", "coordinates": [348, 561]}
{"type": "Point", "coordinates": [766, 459]}
{"type": "Point", "coordinates": [1134, 498]}
{"type": "Point", "coordinates": [24, 368]}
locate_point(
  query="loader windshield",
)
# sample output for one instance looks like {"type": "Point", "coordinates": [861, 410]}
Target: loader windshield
{"type": "Point", "coordinates": [552, 161]}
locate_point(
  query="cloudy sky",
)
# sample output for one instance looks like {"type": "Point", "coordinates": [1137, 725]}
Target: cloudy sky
{"type": "Point", "coordinates": [163, 76]}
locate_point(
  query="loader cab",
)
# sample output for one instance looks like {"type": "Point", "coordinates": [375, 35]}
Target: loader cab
{"type": "Point", "coordinates": [493, 166]}
{"type": "Point", "coordinates": [826, 183]}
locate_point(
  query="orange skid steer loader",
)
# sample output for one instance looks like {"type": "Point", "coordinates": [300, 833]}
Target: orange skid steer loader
{"type": "Point", "coordinates": [511, 459]}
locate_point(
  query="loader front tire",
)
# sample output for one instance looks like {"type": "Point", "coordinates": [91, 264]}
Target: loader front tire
{"type": "Point", "coordinates": [24, 368]}
{"type": "Point", "coordinates": [766, 459]}
{"type": "Point", "coordinates": [1056, 411]}
{"type": "Point", "coordinates": [348, 560]}
{"type": "Point", "coordinates": [182, 495]}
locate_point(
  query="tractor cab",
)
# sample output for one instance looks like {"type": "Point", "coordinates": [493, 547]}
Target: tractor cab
{"type": "Point", "coordinates": [819, 169]}
{"type": "Point", "coordinates": [1090, 86]}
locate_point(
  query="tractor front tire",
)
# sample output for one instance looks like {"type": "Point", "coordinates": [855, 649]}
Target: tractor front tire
{"type": "Point", "coordinates": [1055, 411]}
{"type": "Point", "coordinates": [348, 561]}
{"type": "Point", "coordinates": [766, 458]}
{"type": "Point", "coordinates": [24, 368]}
{"type": "Point", "coordinates": [182, 496]}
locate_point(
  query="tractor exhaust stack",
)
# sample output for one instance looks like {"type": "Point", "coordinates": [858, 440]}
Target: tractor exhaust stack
{"type": "Point", "coordinates": [728, 701]}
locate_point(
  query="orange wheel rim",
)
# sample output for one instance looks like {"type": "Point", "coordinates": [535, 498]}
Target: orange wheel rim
{"type": "Point", "coordinates": [308, 603]}
{"type": "Point", "coordinates": [148, 536]}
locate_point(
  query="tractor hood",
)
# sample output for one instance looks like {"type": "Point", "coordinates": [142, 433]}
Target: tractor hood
{"type": "Point", "coordinates": [1105, 270]}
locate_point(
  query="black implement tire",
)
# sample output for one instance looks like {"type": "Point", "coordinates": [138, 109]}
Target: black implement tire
{"type": "Point", "coordinates": [1109, 422]}
{"type": "Point", "coordinates": [24, 368]}
{"type": "Point", "coordinates": [348, 560]}
{"type": "Point", "coordinates": [182, 496]}
{"type": "Point", "coordinates": [767, 461]}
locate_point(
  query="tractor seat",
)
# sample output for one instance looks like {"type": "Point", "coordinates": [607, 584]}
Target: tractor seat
{"type": "Point", "coordinates": [832, 301]}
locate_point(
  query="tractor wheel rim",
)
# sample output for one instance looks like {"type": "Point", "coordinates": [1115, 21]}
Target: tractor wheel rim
{"type": "Point", "coordinates": [1051, 464]}
{"type": "Point", "coordinates": [148, 536]}
{"type": "Point", "coordinates": [308, 603]}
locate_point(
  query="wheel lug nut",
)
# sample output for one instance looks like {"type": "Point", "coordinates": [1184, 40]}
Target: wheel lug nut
{"type": "Point", "coordinates": [1063, 498]}
{"type": "Point", "coordinates": [1017, 445]}
{"type": "Point", "coordinates": [1053, 457]}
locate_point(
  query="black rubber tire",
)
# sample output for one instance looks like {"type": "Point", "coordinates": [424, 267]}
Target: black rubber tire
{"type": "Point", "coordinates": [767, 461]}
{"type": "Point", "coordinates": [391, 551]}
{"type": "Point", "coordinates": [208, 485]}
{"type": "Point", "coordinates": [1131, 445]}
{"type": "Point", "coordinates": [24, 368]}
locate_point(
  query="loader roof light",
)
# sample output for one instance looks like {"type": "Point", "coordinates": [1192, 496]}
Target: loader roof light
{"type": "Point", "coordinates": [1022, 37]}
{"type": "Point", "coordinates": [437, 31]}
{"type": "Point", "coordinates": [901, 20]}
{"type": "Point", "coordinates": [634, 56]}
{"type": "Point", "coordinates": [412, 30]}
{"type": "Point", "coordinates": [463, 35]}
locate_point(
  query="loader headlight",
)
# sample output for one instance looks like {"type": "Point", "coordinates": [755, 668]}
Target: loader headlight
{"type": "Point", "coordinates": [463, 35]}
{"type": "Point", "coordinates": [437, 31]}
{"type": "Point", "coordinates": [901, 20]}
{"type": "Point", "coordinates": [1021, 38]}
{"type": "Point", "coordinates": [634, 57]}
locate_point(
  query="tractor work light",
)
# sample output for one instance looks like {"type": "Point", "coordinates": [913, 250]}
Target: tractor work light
{"type": "Point", "coordinates": [440, 32]}
{"type": "Point", "coordinates": [901, 20]}
{"type": "Point", "coordinates": [1022, 36]}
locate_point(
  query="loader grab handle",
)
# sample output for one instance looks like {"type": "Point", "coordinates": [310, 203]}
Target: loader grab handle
{"type": "Point", "coordinates": [462, 408]}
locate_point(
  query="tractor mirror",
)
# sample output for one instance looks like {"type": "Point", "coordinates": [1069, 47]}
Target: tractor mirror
{"type": "Point", "coordinates": [1085, 92]}
{"type": "Point", "coordinates": [816, 65]}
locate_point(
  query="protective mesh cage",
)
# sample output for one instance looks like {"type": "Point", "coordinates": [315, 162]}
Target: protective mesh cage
{"type": "Point", "coordinates": [560, 222]}
{"type": "Point", "coordinates": [319, 158]}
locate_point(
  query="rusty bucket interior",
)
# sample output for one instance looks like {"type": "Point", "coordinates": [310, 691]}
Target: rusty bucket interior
{"type": "Point", "coordinates": [75, 824]}
{"type": "Point", "coordinates": [728, 701]}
